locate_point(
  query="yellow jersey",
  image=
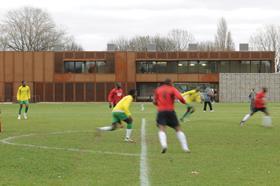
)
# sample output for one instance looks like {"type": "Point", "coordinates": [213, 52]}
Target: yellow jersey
{"type": "Point", "coordinates": [192, 96]}
{"type": "Point", "coordinates": [23, 93]}
{"type": "Point", "coordinates": [123, 105]}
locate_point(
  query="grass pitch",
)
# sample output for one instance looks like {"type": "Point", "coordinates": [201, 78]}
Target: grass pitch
{"type": "Point", "coordinates": [58, 145]}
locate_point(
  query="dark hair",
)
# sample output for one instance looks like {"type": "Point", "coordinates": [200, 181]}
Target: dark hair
{"type": "Point", "coordinates": [23, 81]}
{"type": "Point", "coordinates": [264, 89]}
{"type": "Point", "coordinates": [118, 85]}
{"type": "Point", "coordinates": [167, 81]}
{"type": "Point", "coordinates": [131, 92]}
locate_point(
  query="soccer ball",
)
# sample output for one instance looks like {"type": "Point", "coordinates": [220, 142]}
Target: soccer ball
{"type": "Point", "coordinates": [267, 121]}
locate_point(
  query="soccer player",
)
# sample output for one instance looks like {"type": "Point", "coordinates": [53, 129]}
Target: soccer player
{"type": "Point", "coordinates": [190, 97]}
{"type": "Point", "coordinates": [164, 97]}
{"type": "Point", "coordinates": [252, 96]}
{"type": "Point", "coordinates": [115, 95]}
{"type": "Point", "coordinates": [121, 113]}
{"type": "Point", "coordinates": [23, 97]}
{"type": "Point", "coordinates": [259, 105]}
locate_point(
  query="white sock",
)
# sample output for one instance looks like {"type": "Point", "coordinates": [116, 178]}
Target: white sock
{"type": "Point", "coordinates": [246, 117]}
{"type": "Point", "coordinates": [162, 139]}
{"type": "Point", "coordinates": [107, 128]}
{"type": "Point", "coordinates": [183, 140]}
{"type": "Point", "coordinates": [128, 133]}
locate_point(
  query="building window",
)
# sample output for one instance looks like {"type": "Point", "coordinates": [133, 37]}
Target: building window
{"type": "Point", "coordinates": [265, 67]}
{"type": "Point", "coordinates": [245, 67]}
{"type": "Point", "coordinates": [161, 67]}
{"type": "Point", "coordinates": [183, 67]}
{"type": "Point", "coordinates": [146, 67]}
{"type": "Point", "coordinates": [203, 67]}
{"type": "Point", "coordinates": [235, 66]}
{"type": "Point", "coordinates": [104, 67]}
{"type": "Point", "coordinates": [193, 67]}
{"type": "Point", "coordinates": [213, 67]}
{"type": "Point", "coordinates": [145, 91]}
{"type": "Point", "coordinates": [90, 67]}
{"type": "Point", "coordinates": [224, 66]}
{"type": "Point", "coordinates": [255, 67]}
{"type": "Point", "coordinates": [79, 67]}
{"type": "Point", "coordinates": [69, 67]}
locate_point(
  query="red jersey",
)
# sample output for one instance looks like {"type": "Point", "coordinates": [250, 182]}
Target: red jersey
{"type": "Point", "coordinates": [164, 97]}
{"type": "Point", "coordinates": [115, 95]}
{"type": "Point", "coordinates": [259, 100]}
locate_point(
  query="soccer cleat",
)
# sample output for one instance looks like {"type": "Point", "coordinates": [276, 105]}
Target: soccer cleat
{"type": "Point", "coordinates": [211, 110]}
{"type": "Point", "coordinates": [204, 111]}
{"type": "Point", "coordinates": [163, 150]}
{"type": "Point", "coordinates": [18, 117]}
{"type": "Point", "coordinates": [25, 116]}
{"type": "Point", "coordinates": [242, 123]}
{"type": "Point", "coordinates": [187, 151]}
{"type": "Point", "coordinates": [129, 140]}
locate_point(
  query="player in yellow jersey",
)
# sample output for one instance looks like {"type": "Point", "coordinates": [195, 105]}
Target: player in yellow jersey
{"type": "Point", "coordinates": [121, 113]}
{"type": "Point", "coordinates": [23, 97]}
{"type": "Point", "coordinates": [190, 97]}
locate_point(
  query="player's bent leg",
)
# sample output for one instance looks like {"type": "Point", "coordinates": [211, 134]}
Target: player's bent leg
{"type": "Point", "coordinates": [26, 110]}
{"type": "Point", "coordinates": [19, 112]}
{"type": "Point", "coordinates": [129, 121]}
{"type": "Point", "coordinates": [182, 139]}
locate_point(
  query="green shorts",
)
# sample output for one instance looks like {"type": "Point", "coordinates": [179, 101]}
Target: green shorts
{"type": "Point", "coordinates": [24, 102]}
{"type": "Point", "coordinates": [118, 117]}
{"type": "Point", "coordinates": [188, 105]}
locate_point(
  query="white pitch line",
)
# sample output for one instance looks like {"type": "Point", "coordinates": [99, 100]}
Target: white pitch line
{"type": "Point", "coordinates": [7, 141]}
{"type": "Point", "coordinates": [144, 179]}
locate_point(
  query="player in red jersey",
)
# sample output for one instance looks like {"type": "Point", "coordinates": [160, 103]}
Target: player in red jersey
{"type": "Point", "coordinates": [164, 98]}
{"type": "Point", "coordinates": [259, 105]}
{"type": "Point", "coordinates": [115, 95]}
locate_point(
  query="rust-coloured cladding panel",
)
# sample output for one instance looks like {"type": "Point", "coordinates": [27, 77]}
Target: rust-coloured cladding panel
{"type": "Point", "coordinates": [19, 68]}
{"type": "Point", "coordinates": [100, 55]}
{"type": "Point", "coordinates": [90, 55]}
{"type": "Point", "coordinates": [2, 72]}
{"type": "Point", "coordinates": [58, 62]}
{"type": "Point", "coordinates": [105, 78]}
{"type": "Point", "coordinates": [69, 55]}
{"type": "Point", "coordinates": [90, 92]}
{"type": "Point", "coordinates": [49, 92]}
{"type": "Point", "coordinates": [208, 78]}
{"type": "Point", "coordinates": [188, 78]}
{"type": "Point", "coordinates": [234, 55]}
{"type": "Point", "coordinates": [79, 92]}
{"type": "Point", "coordinates": [109, 87]}
{"type": "Point", "coordinates": [100, 92]}
{"type": "Point", "coordinates": [69, 92]}
{"type": "Point", "coordinates": [172, 55]}
{"type": "Point", "coordinates": [193, 55]}
{"type": "Point", "coordinates": [9, 66]}
{"type": "Point", "coordinates": [49, 66]}
{"type": "Point", "coordinates": [146, 77]}
{"type": "Point", "coordinates": [69, 77]}
{"type": "Point", "coordinates": [141, 55]}
{"type": "Point", "coordinates": [203, 55]}
{"type": "Point", "coordinates": [161, 55]}
{"type": "Point", "coordinates": [39, 66]}
{"type": "Point", "coordinates": [151, 55]}
{"type": "Point", "coordinates": [255, 55]}
{"type": "Point", "coordinates": [79, 55]}
{"type": "Point", "coordinates": [224, 55]}
{"type": "Point", "coordinates": [131, 67]}
{"type": "Point", "coordinates": [162, 77]}
{"type": "Point", "coordinates": [39, 92]}
{"type": "Point", "coordinates": [84, 77]}
{"type": "Point", "coordinates": [120, 66]}
{"type": "Point", "coordinates": [1, 91]}
{"type": "Point", "coordinates": [28, 66]}
{"type": "Point", "coordinates": [8, 92]}
{"type": "Point", "coordinates": [214, 55]}
{"type": "Point", "coordinates": [131, 86]}
{"type": "Point", "coordinates": [245, 55]}
{"type": "Point", "coordinates": [59, 92]}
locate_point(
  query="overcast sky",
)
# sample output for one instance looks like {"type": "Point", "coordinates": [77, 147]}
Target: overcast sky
{"type": "Point", "coordinates": [95, 22]}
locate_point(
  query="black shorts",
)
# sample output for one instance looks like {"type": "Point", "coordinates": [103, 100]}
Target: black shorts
{"type": "Point", "coordinates": [168, 118]}
{"type": "Point", "coordinates": [259, 109]}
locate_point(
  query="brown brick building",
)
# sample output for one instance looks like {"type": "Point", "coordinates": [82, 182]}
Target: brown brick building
{"type": "Point", "coordinates": [89, 76]}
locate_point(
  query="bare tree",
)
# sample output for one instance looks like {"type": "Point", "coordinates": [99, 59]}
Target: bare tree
{"type": "Point", "coordinates": [267, 38]}
{"type": "Point", "coordinates": [31, 29]}
{"type": "Point", "coordinates": [181, 39]}
{"type": "Point", "coordinates": [223, 38]}
{"type": "Point", "coordinates": [206, 46]}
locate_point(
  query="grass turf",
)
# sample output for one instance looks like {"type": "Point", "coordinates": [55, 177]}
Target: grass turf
{"type": "Point", "coordinates": [223, 153]}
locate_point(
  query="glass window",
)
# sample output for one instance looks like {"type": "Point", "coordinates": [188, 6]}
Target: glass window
{"type": "Point", "coordinates": [255, 67]}
{"type": "Point", "coordinates": [224, 67]}
{"type": "Point", "coordinates": [183, 66]}
{"type": "Point", "coordinates": [79, 67]}
{"type": "Point", "coordinates": [90, 67]}
{"type": "Point", "coordinates": [193, 67]}
{"type": "Point", "coordinates": [104, 67]}
{"type": "Point", "coordinates": [213, 67]}
{"type": "Point", "coordinates": [235, 66]}
{"type": "Point", "coordinates": [145, 91]}
{"type": "Point", "coordinates": [171, 67]}
{"type": "Point", "coordinates": [161, 67]}
{"type": "Point", "coordinates": [245, 67]}
{"type": "Point", "coordinates": [69, 67]}
{"type": "Point", "coordinates": [146, 67]}
{"type": "Point", "coordinates": [265, 67]}
{"type": "Point", "coordinates": [203, 67]}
